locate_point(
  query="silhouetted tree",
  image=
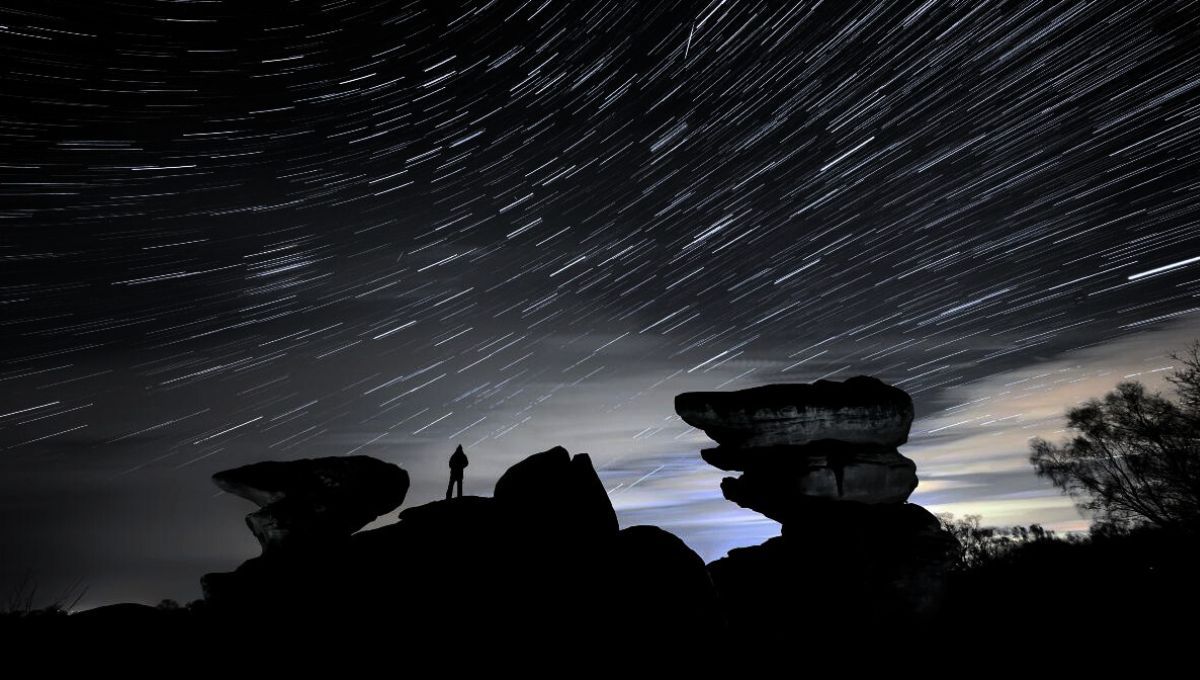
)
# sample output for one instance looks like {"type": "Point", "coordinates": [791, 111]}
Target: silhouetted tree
{"type": "Point", "coordinates": [1136, 456]}
{"type": "Point", "coordinates": [980, 545]}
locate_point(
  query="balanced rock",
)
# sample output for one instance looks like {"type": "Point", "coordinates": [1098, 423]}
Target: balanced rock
{"type": "Point", "coordinates": [855, 560]}
{"type": "Point", "coordinates": [312, 501]}
{"type": "Point", "coordinates": [861, 410]}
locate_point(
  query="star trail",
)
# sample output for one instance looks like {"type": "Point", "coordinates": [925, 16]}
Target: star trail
{"type": "Point", "coordinates": [239, 231]}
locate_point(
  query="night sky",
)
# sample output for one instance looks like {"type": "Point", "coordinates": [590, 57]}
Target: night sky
{"type": "Point", "coordinates": [235, 231]}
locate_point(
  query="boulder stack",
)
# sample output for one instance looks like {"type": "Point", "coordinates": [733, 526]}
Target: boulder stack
{"type": "Point", "coordinates": [822, 460]}
{"type": "Point", "coordinates": [796, 443]}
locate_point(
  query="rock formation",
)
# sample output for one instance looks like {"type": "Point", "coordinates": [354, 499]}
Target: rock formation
{"type": "Point", "coordinates": [821, 459]}
{"type": "Point", "coordinates": [551, 487]}
{"type": "Point", "coordinates": [861, 410]}
{"type": "Point", "coordinates": [796, 443]}
{"type": "Point", "coordinates": [314, 501]}
{"type": "Point", "coordinates": [543, 564]}
{"type": "Point", "coordinates": [543, 559]}
{"type": "Point", "coordinates": [781, 480]}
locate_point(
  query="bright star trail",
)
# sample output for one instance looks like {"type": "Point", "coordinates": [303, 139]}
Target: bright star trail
{"type": "Point", "coordinates": [235, 231]}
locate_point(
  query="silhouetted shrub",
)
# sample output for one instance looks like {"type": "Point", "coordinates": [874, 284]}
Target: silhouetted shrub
{"type": "Point", "coordinates": [21, 601]}
{"type": "Point", "coordinates": [981, 545]}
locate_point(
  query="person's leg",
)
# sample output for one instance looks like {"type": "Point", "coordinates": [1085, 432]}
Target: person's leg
{"type": "Point", "coordinates": [460, 480]}
{"type": "Point", "coordinates": [449, 487]}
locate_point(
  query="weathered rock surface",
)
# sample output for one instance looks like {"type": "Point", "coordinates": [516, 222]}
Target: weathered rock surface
{"type": "Point", "coordinates": [312, 501]}
{"type": "Point", "coordinates": [861, 410]}
{"type": "Point", "coordinates": [794, 458]}
{"type": "Point", "coordinates": [783, 479]}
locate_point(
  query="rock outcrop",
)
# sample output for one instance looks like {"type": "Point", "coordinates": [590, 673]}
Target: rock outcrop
{"type": "Point", "coordinates": [845, 567]}
{"type": "Point", "coordinates": [542, 564]}
{"type": "Point", "coordinates": [314, 501]}
{"type": "Point", "coordinates": [552, 488]}
{"type": "Point", "coordinates": [667, 586]}
{"type": "Point", "coordinates": [821, 459]}
{"type": "Point", "coordinates": [797, 443]}
{"type": "Point", "coordinates": [541, 560]}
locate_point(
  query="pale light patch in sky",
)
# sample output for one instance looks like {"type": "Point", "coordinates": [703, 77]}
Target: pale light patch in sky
{"type": "Point", "coordinates": [973, 457]}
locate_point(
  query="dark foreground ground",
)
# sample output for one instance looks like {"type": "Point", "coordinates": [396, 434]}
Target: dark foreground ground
{"type": "Point", "coordinates": [1117, 600]}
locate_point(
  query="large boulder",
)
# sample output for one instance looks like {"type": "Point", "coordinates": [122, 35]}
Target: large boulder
{"type": "Point", "coordinates": [861, 410]}
{"type": "Point", "coordinates": [667, 582]}
{"type": "Point", "coordinates": [313, 501]}
{"type": "Point", "coordinates": [843, 569]}
{"type": "Point", "coordinates": [555, 491]}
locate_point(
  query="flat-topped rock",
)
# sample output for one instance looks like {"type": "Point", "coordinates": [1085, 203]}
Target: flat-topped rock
{"type": "Point", "coordinates": [861, 410]}
{"type": "Point", "coordinates": [314, 500]}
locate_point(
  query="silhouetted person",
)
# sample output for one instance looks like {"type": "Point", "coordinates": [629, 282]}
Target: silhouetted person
{"type": "Point", "coordinates": [458, 461]}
